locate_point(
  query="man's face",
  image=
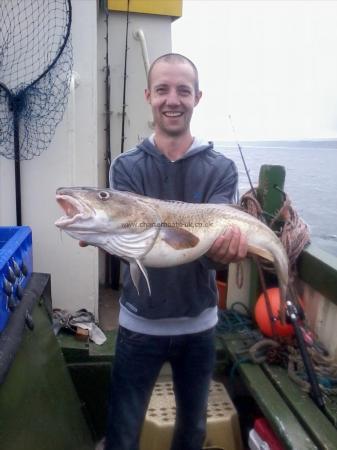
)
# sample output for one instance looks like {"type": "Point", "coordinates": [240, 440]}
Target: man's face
{"type": "Point", "coordinates": [172, 96]}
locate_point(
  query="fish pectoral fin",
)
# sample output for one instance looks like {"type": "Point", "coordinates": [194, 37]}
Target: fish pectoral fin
{"type": "Point", "coordinates": [259, 251]}
{"type": "Point", "coordinates": [135, 274]}
{"type": "Point", "coordinates": [136, 267]}
{"type": "Point", "coordinates": [179, 238]}
{"type": "Point", "coordinates": [130, 245]}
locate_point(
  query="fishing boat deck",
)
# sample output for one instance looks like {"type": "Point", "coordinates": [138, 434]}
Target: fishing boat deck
{"type": "Point", "coordinates": [108, 308]}
{"type": "Point", "coordinates": [293, 415]}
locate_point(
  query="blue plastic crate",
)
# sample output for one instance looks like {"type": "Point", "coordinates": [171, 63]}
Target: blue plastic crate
{"type": "Point", "coordinates": [16, 266]}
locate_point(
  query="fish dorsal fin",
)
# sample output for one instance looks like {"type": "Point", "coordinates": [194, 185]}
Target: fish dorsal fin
{"type": "Point", "coordinates": [266, 254]}
{"type": "Point", "coordinates": [179, 238]}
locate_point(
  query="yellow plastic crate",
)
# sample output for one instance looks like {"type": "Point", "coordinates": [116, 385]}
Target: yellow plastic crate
{"type": "Point", "coordinates": [223, 430]}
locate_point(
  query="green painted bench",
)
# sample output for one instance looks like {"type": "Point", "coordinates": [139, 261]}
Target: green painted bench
{"type": "Point", "coordinates": [292, 414]}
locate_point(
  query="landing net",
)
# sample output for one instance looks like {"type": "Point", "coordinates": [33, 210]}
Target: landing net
{"type": "Point", "coordinates": [35, 71]}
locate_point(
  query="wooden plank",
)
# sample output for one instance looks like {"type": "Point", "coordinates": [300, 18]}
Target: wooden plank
{"type": "Point", "coordinates": [161, 7]}
{"type": "Point", "coordinates": [319, 269]}
{"type": "Point", "coordinates": [270, 196]}
{"type": "Point", "coordinates": [319, 427]}
{"type": "Point", "coordinates": [106, 351]}
{"type": "Point", "coordinates": [271, 183]}
{"type": "Point", "coordinates": [281, 417]}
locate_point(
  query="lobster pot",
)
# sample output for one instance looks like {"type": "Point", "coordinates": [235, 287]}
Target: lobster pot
{"type": "Point", "coordinates": [223, 430]}
{"type": "Point", "coordinates": [16, 266]}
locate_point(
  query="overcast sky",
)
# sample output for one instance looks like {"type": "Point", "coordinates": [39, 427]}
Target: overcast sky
{"type": "Point", "coordinates": [270, 64]}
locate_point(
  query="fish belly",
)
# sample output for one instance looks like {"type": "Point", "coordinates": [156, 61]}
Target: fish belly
{"type": "Point", "coordinates": [164, 255]}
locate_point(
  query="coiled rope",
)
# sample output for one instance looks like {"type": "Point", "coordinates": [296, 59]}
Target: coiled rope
{"type": "Point", "coordinates": [283, 351]}
{"type": "Point", "coordinates": [294, 232]}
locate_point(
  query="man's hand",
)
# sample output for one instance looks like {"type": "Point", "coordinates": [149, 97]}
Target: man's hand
{"type": "Point", "coordinates": [230, 247]}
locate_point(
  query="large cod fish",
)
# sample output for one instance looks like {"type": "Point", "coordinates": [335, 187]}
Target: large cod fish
{"type": "Point", "coordinates": [156, 233]}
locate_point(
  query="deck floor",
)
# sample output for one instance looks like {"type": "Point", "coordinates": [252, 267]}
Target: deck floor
{"type": "Point", "coordinates": [108, 308]}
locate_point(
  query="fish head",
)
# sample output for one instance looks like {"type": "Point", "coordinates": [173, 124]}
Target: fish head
{"type": "Point", "coordinates": [91, 211]}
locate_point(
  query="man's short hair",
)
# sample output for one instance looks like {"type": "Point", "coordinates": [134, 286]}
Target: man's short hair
{"type": "Point", "coordinates": [175, 57]}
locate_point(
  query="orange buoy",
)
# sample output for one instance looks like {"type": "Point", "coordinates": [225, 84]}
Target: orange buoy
{"type": "Point", "coordinates": [262, 316]}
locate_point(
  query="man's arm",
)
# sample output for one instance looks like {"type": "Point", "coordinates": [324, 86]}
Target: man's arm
{"type": "Point", "coordinates": [121, 176]}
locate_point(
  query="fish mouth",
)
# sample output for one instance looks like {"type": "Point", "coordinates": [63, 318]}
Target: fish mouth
{"type": "Point", "coordinates": [74, 209]}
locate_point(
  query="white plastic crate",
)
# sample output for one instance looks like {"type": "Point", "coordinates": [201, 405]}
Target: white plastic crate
{"type": "Point", "coordinates": [223, 430]}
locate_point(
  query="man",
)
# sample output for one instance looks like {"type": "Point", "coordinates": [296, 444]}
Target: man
{"type": "Point", "coordinates": [176, 323]}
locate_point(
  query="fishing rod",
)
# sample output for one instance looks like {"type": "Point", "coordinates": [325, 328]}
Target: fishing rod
{"type": "Point", "coordinates": [125, 75]}
{"type": "Point", "coordinates": [315, 393]}
{"type": "Point", "coordinates": [243, 159]}
{"type": "Point", "coordinates": [253, 190]}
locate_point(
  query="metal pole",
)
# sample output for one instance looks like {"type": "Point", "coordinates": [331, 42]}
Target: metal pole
{"type": "Point", "coordinates": [125, 77]}
{"type": "Point", "coordinates": [16, 118]}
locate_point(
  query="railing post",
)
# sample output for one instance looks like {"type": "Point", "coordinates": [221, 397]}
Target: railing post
{"type": "Point", "coordinates": [270, 196]}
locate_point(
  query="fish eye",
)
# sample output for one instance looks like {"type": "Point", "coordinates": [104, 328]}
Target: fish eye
{"type": "Point", "coordinates": [103, 195]}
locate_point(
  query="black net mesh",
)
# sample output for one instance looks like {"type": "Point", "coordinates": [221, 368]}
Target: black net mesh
{"type": "Point", "coordinates": [35, 71]}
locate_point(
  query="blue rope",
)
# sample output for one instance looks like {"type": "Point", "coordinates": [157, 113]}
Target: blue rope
{"type": "Point", "coordinates": [232, 321]}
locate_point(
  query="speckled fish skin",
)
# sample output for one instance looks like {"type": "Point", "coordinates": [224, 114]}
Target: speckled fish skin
{"type": "Point", "coordinates": [149, 232]}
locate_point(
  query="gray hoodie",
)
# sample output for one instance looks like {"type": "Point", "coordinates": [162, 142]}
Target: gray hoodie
{"type": "Point", "coordinates": [183, 298]}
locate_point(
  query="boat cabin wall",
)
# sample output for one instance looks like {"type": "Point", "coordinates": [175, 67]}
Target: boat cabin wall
{"type": "Point", "coordinates": [138, 117]}
{"type": "Point", "coordinates": [76, 155]}
{"type": "Point", "coordinates": [317, 271]}
{"type": "Point", "coordinates": [321, 315]}
{"type": "Point", "coordinates": [135, 117]}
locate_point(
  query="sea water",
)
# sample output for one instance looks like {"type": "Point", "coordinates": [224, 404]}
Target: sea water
{"type": "Point", "coordinates": [311, 180]}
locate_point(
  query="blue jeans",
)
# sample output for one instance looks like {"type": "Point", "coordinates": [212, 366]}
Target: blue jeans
{"type": "Point", "coordinates": [137, 364]}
